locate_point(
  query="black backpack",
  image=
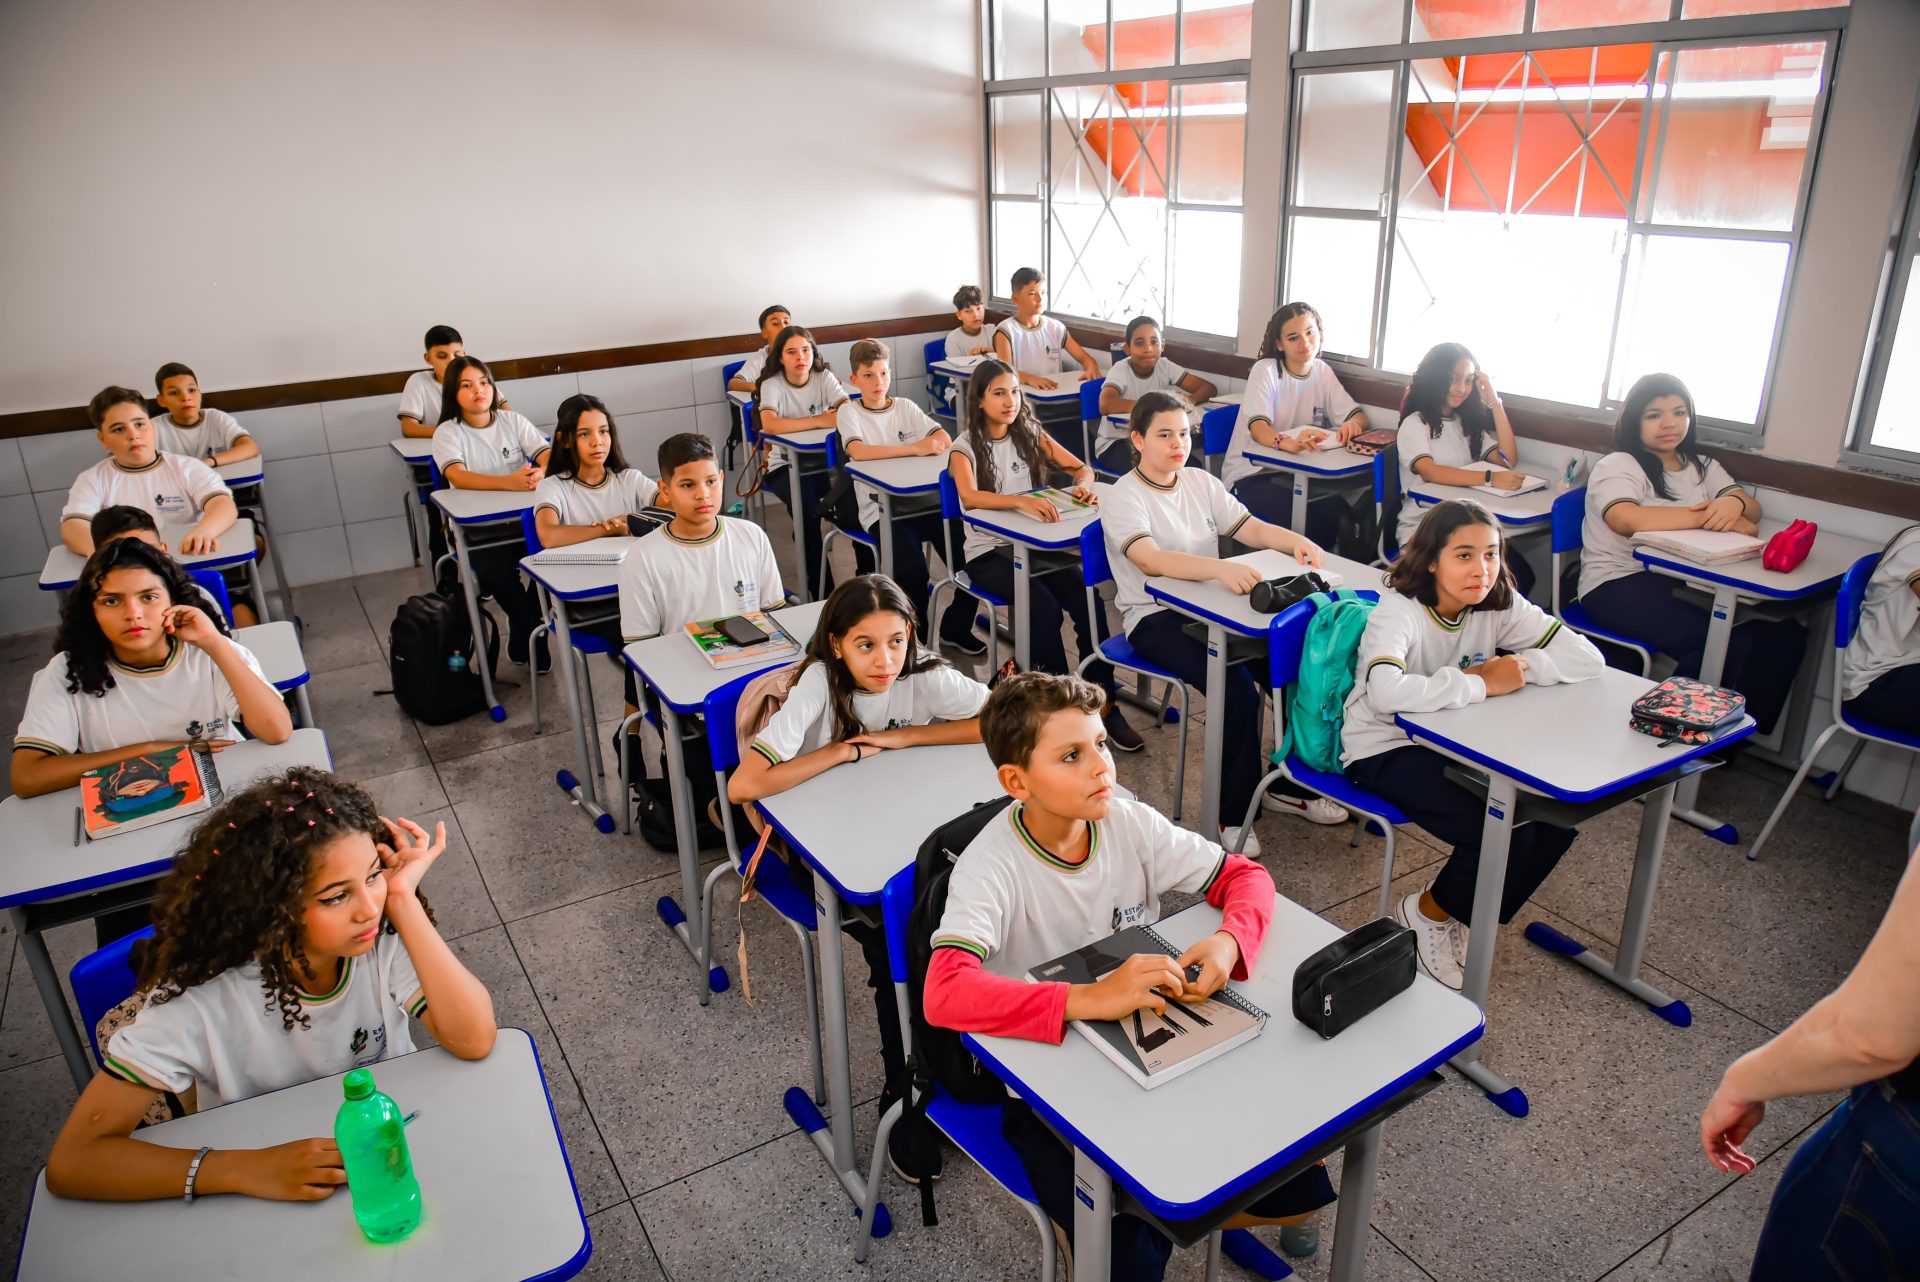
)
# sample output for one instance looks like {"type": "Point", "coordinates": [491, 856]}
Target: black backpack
{"type": "Point", "coordinates": [427, 631]}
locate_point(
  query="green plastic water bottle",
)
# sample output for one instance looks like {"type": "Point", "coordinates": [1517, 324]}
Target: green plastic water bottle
{"type": "Point", "coordinates": [372, 1136]}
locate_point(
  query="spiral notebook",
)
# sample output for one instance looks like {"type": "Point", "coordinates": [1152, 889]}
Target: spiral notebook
{"type": "Point", "coordinates": [1154, 1048]}
{"type": "Point", "coordinates": [154, 788]}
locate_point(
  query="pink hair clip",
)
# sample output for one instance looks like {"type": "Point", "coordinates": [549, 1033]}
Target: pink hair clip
{"type": "Point", "coordinates": [309, 823]}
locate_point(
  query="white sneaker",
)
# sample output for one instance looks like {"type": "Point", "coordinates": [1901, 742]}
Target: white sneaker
{"type": "Point", "coordinates": [1458, 929]}
{"type": "Point", "coordinates": [1434, 942]}
{"type": "Point", "coordinates": [1315, 810]}
{"type": "Point", "coordinates": [1250, 847]}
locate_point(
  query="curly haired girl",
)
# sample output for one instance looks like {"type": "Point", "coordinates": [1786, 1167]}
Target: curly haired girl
{"type": "Point", "coordinates": [291, 942]}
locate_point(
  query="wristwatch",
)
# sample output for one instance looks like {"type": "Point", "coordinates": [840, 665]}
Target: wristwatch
{"type": "Point", "coordinates": [1489, 480]}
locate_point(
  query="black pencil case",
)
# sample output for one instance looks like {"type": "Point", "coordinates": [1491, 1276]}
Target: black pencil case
{"type": "Point", "coordinates": [1354, 976]}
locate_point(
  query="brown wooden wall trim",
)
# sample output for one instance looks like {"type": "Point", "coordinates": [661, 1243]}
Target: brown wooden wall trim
{"type": "Point", "coordinates": [240, 399]}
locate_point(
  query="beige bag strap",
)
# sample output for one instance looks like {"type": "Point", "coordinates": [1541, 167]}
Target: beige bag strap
{"type": "Point", "coordinates": [747, 876]}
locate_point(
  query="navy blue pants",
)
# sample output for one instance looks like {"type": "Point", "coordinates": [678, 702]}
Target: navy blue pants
{"type": "Point", "coordinates": [1892, 700]}
{"type": "Point", "coordinates": [1269, 496]}
{"type": "Point", "coordinates": [911, 536]}
{"type": "Point", "coordinates": [813, 488]}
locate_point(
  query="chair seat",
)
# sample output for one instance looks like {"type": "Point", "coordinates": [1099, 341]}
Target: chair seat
{"type": "Point", "coordinates": [975, 1131]}
{"type": "Point", "coordinates": [858, 536]}
{"type": "Point", "coordinates": [965, 580]}
{"type": "Point", "coordinates": [777, 888]}
{"type": "Point", "coordinates": [1119, 650]}
{"type": "Point", "coordinates": [1576, 617]}
{"type": "Point", "coordinates": [1862, 726]}
{"type": "Point", "coordinates": [1345, 791]}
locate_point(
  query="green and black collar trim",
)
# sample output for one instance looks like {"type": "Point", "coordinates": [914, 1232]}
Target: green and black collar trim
{"type": "Point", "coordinates": [1045, 856]}
{"type": "Point", "coordinates": [1444, 625]}
{"type": "Point", "coordinates": [174, 652]}
{"type": "Point", "coordinates": [719, 523]}
{"type": "Point", "coordinates": [1152, 484]}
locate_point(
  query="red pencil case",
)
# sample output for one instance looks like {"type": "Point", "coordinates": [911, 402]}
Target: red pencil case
{"type": "Point", "coordinates": [1787, 549]}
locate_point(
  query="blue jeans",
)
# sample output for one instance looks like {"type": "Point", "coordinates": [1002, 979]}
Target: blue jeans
{"type": "Point", "coordinates": [1848, 1206]}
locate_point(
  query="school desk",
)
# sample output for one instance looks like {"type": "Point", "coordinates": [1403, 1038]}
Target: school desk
{"type": "Point", "coordinates": [235, 547]}
{"type": "Point", "coordinates": [1030, 540]}
{"type": "Point", "coordinates": [496, 511]}
{"type": "Point", "coordinates": [895, 479]}
{"type": "Point", "coordinates": [1341, 465]}
{"type": "Point", "coordinates": [416, 456]}
{"type": "Point", "coordinates": [276, 646]}
{"type": "Point", "coordinates": [806, 454]}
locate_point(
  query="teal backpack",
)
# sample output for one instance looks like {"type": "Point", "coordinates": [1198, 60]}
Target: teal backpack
{"type": "Point", "coordinates": [1316, 708]}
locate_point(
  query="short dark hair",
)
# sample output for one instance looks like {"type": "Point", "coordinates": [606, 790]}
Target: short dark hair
{"type": "Point", "coordinates": [441, 335]}
{"type": "Point", "coordinates": [679, 450]}
{"type": "Point", "coordinates": [866, 352]}
{"type": "Point", "coordinates": [1139, 321]}
{"type": "Point", "coordinates": [108, 397]}
{"type": "Point", "coordinates": [769, 310]}
{"type": "Point", "coordinates": [1026, 276]}
{"type": "Point", "coordinates": [967, 296]}
{"type": "Point", "coordinates": [1412, 575]}
{"type": "Point", "coordinates": [110, 523]}
{"type": "Point", "coordinates": [172, 369]}
{"type": "Point", "coordinates": [1013, 715]}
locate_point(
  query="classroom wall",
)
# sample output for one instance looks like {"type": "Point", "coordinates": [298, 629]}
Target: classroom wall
{"type": "Point", "coordinates": [276, 193]}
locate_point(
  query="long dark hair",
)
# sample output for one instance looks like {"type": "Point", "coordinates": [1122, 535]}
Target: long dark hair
{"type": "Point", "coordinates": [1626, 429]}
{"type": "Point", "coordinates": [450, 388]}
{"type": "Point", "coordinates": [1270, 343]}
{"type": "Point", "coordinates": [1427, 396]}
{"type": "Point", "coordinates": [849, 603]}
{"type": "Point", "coordinates": [1412, 575]}
{"type": "Point", "coordinates": [237, 894]}
{"type": "Point", "coordinates": [79, 636]}
{"type": "Point", "coordinates": [1025, 431]}
{"type": "Point", "coordinates": [773, 369]}
{"type": "Point", "coordinates": [563, 459]}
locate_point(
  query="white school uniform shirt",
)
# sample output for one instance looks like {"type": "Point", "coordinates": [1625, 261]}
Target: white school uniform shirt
{"type": "Point", "coordinates": [1165, 377]}
{"type": "Point", "coordinates": [668, 582]}
{"type": "Point", "coordinates": [960, 344]}
{"type": "Point", "coordinates": [1040, 350]}
{"type": "Point", "coordinates": [805, 721]}
{"type": "Point", "coordinates": [1014, 905]}
{"type": "Point", "coordinates": [820, 393]}
{"type": "Point", "coordinates": [420, 398]}
{"type": "Point", "coordinates": [1888, 636]}
{"type": "Point", "coordinates": [900, 422]}
{"type": "Point", "coordinates": [164, 703]}
{"type": "Point", "coordinates": [1192, 515]}
{"type": "Point", "coordinates": [217, 430]}
{"type": "Point", "coordinates": [174, 488]}
{"type": "Point", "coordinates": [1010, 477]}
{"type": "Point", "coordinates": [507, 445]}
{"type": "Point", "coordinates": [750, 368]}
{"type": "Point", "coordinates": [1412, 660]}
{"type": "Point", "coordinates": [1449, 449]}
{"type": "Point", "coordinates": [577, 503]}
{"type": "Point", "coordinates": [1286, 400]}
{"type": "Point", "coordinates": [1619, 478]}
{"type": "Point", "coordinates": [227, 1038]}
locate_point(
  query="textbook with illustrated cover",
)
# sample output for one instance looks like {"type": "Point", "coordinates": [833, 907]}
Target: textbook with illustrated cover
{"type": "Point", "coordinates": [1063, 502]}
{"type": "Point", "coordinates": [741, 639]}
{"type": "Point", "coordinates": [1154, 1048]}
{"type": "Point", "coordinates": [149, 789]}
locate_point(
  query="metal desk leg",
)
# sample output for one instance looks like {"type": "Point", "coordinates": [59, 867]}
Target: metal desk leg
{"type": "Point", "coordinates": [797, 510]}
{"type": "Point", "coordinates": [1215, 738]}
{"type": "Point", "coordinates": [305, 706]}
{"type": "Point", "coordinates": [712, 979]}
{"type": "Point", "coordinates": [1793, 727]}
{"type": "Point", "coordinates": [1022, 607]}
{"type": "Point", "coordinates": [1301, 484]}
{"type": "Point", "coordinates": [1495, 844]}
{"type": "Point", "coordinates": [406, 512]}
{"type": "Point", "coordinates": [263, 528]}
{"type": "Point", "coordinates": [1713, 664]}
{"type": "Point", "coordinates": [472, 594]}
{"type": "Point", "coordinates": [260, 606]}
{"type": "Point", "coordinates": [1092, 1220]}
{"type": "Point", "coordinates": [886, 532]}
{"type": "Point", "coordinates": [54, 998]}
{"type": "Point", "coordinates": [1352, 1221]}
{"type": "Point", "coordinates": [580, 788]}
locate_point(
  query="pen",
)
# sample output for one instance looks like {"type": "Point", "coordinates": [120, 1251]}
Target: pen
{"type": "Point", "coordinates": [79, 824]}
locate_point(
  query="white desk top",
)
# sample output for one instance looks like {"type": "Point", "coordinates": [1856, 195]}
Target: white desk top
{"type": "Point", "coordinates": [414, 449]}
{"type": "Point", "coordinates": [670, 664]}
{"type": "Point", "coordinates": [899, 796]}
{"type": "Point", "coordinates": [248, 471]}
{"type": "Point", "coordinates": [1340, 462]}
{"type": "Point", "coordinates": [1290, 1086]}
{"type": "Point", "coordinates": [1821, 571]}
{"type": "Point", "coordinates": [63, 565]}
{"type": "Point", "coordinates": [1572, 742]}
{"type": "Point", "coordinates": [277, 646]}
{"type": "Point", "coordinates": [1212, 602]}
{"type": "Point", "coordinates": [813, 440]}
{"type": "Point", "coordinates": [1224, 398]}
{"type": "Point", "coordinates": [961, 368]}
{"type": "Point", "coordinates": [742, 399]}
{"type": "Point", "coordinates": [1069, 389]}
{"type": "Point", "coordinates": [913, 474]}
{"type": "Point", "coordinates": [1048, 536]}
{"type": "Point", "coordinates": [579, 580]}
{"type": "Point", "coordinates": [42, 863]}
{"type": "Point", "coordinates": [482, 507]}
{"type": "Point", "coordinates": [499, 1195]}
{"type": "Point", "coordinates": [1535, 508]}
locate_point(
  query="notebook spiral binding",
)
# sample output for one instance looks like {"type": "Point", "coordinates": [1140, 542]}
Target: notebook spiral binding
{"type": "Point", "coordinates": [1226, 995]}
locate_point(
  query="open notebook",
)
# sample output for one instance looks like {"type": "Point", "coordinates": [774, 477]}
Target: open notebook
{"type": "Point", "coordinates": [1527, 486]}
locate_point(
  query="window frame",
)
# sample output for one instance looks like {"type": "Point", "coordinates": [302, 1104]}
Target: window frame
{"type": "Point", "coordinates": [1902, 261]}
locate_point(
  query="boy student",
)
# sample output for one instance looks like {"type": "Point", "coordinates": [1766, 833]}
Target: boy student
{"type": "Point", "coordinates": [1054, 873]}
{"type": "Point", "coordinates": [213, 436]}
{"type": "Point", "coordinates": [125, 522]}
{"type": "Point", "coordinates": [1036, 345]}
{"type": "Point", "coordinates": [971, 338]}
{"type": "Point", "coordinates": [174, 488]}
{"type": "Point", "coordinates": [1145, 370]}
{"type": "Point", "coordinates": [875, 425]}
{"type": "Point", "coordinates": [420, 398]}
{"type": "Point", "coordinates": [773, 319]}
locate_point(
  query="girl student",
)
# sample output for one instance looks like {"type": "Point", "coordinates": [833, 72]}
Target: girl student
{"type": "Point", "coordinates": [1657, 479]}
{"type": "Point", "coordinates": [865, 687]}
{"type": "Point", "coordinates": [481, 446]}
{"type": "Point", "coordinates": [1002, 456]}
{"type": "Point", "coordinates": [1292, 403]}
{"type": "Point", "coordinates": [1881, 671]}
{"type": "Point", "coordinates": [1453, 630]}
{"type": "Point", "coordinates": [589, 489]}
{"type": "Point", "coordinates": [1144, 370]}
{"type": "Point", "coordinates": [797, 392]}
{"type": "Point", "coordinates": [290, 942]}
{"type": "Point", "coordinates": [1165, 518]}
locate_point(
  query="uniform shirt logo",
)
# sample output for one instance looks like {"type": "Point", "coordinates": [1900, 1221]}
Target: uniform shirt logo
{"type": "Point", "coordinates": [1473, 660]}
{"type": "Point", "coordinates": [1124, 917]}
{"type": "Point", "coordinates": [169, 504]}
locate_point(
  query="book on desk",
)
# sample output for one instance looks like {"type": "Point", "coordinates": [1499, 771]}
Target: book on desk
{"type": "Point", "coordinates": [153, 788]}
{"type": "Point", "coordinates": [1063, 502]}
{"type": "Point", "coordinates": [1703, 547]}
{"type": "Point", "coordinates": [730, 642]}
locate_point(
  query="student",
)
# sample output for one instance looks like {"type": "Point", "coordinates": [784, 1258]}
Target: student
{"type": "Point", "coordinates": [1035, 344]}
{"type": "Point", "coordinates": [1292, 403]}
{"type": "Point", "coordinates": [251, 986]}
{"type": "Point", "coordinates": [797, 392]}
{"type": "Point", "coordinates": [874, 425]}
{"type": "Point", "coordinates": [1002, 456]}
{"type": "Point", "coordinates": [588, 490]}
{"type": "Point", "coordinates": [175, 488]}
{"type": "Point", "coordinates": [123, 521]}
{"type": "Point", "coordinates": [213, 436]}
{"type": "Point", "coordinates": [1163, 518]}
{"type": "Point", "coordinates": [420, 398]}
{"type": "Point", "coordinates": [970, 337]}
{"type": "Point", "coordinates": [1881, 667]}
{"type": "Point", "coordinates": [1453, 630]}
{"type": "Point", "coordinates": [1054, 873]}
{"type": "Point", "coordinates": [773, 319]}
{"type": "Point", "coordinates": [479, 446]}
{"type": "Point", "coordinates": [1658, 479]}
{"type": "Point", "coordinates": [865, 687]}
{"type": "Point", "coordinates": [1144, 370]}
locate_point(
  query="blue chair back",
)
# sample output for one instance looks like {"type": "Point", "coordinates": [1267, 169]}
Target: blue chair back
{"type": "Point", "coordinates": [950, 509]}
{"type": "Point", "coordinates": [728, 370]}
{"type": "Point", "coordinates": [1094, 567]}
{"type": "Point", "coordinates": [1853, 594]}
{"type": "Point", "coordinates": [1287, 639]}
{"type": "Point", "coordinates": [836, 452]}
{"type": "Point", "coordinates": [102, 980]}
{"type": "Point", "coordinates": [1569, 511]}
{"type": "Point", "coordinates": [1216, 429]}
{"type": "Point", "coordinates": [721, 710]}
{"type": "Point", "coordinates": [1090, 399]}
{"type": "Point", "coordinates": [214, 585]}
{"type": "Point", "coordinates": [530, 531]}
{"type": "Point", "coordinates": [896, 911]}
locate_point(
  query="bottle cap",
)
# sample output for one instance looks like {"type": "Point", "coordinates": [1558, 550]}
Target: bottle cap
{"type": "Point", "coordinates": [358, 1084]}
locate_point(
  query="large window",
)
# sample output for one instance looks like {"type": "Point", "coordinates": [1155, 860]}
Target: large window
{"type": "Point", "coordinates": [1579, 205]}
{"type": "Point", "coordinates": [1890, 418]}
{"type": "Point", "coordinates": [1116, 143]}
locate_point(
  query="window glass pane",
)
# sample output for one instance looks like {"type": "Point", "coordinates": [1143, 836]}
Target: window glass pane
{"type": "Point", "coordinates": [1077, 36]}
{"type": "Point", "coordinates": [1720, 8]}
{"type": "Point", "coordinates": [1331, 263]}
{"type": "Point", "coordinates": [1216, 30]}
{"type": "Point", "coordinates": [1669, 281]}
{"type": "Point", "coordinates": [1738, 122]}
{"type": "Point", "coordinates": [1143, 33]}
{"type": "Point", "coordinates": [1895, 425]}
{"type": "Point", "coordinates": [1016, 242]}
{"type": "Point", "coordinates": [1562, 15]}
{"type": "Point", "coordinates": [1354, 24]}
{"type": "Point", "coordinates": [1016, 144]}
{"type": "Point", "coordinates": [1213, 142]}
{"type": "Point", "coordinates": [1019, 39]}
{"type": "Point", "coordinates": [1462, 19]}
{"type": "Point", "coordinates": [1206, 271]}
{"type": "Point", "coordinates": [1108, 239]}
{"type": "Point", "coordinates": [1346, 122]}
